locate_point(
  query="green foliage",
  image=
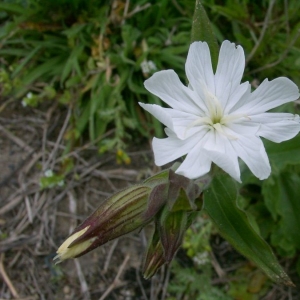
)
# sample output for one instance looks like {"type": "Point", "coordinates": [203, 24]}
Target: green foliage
{"type": "Point", "coordinates": [284, 154]}
{"type": "Point", "coordinates": [94, 56]}
{"type": "Point", "coordinates": [194, 280]}
{"type": "Point", "coordinates": [194, 284]}
{"type": "Point", "coordinates": [51, 180]}
{"type": "Point", "coordinates": [274, 203]}
{"type": "Point", "coordinates": [196, 240]}
{"type": "Point", "coordinates": [281, 198]}
{"type": "Point", "coordinates": [249, 284]}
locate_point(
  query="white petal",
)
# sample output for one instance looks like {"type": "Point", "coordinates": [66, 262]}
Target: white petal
{"type": "Point", "coordinates": [167, 86]}
{"type": "Point", "coordinates": [198, 67]}
{"type": "Point", "coordinates": [243, 127]}
{"type": "Point", "coordinates": [230, 69]}
{"type": "Point", "coordinates": [277, 127]}
{"type": "Point", "coordinates": [159, 113]}
{"type": "Point", "coordinates": [171, 148]}
{"type": "Point", "coordinates": [268, 95]}
{"type": "Point", "coordinates": [184, 124]}
{"type": "Point", "coordinates": [196, 163]}
{"type": "Point", "coordinates": [219, 150]}
{"type": "Point", "coordinates": [211, 148]}
{"type": "Point", "coordinates": [179, 122]}
{"type": "Point", "coordinates": [252, 151]}
{"type": "Point", "coordinates": [242, 91]}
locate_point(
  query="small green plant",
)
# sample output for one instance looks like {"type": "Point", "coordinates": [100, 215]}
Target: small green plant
{"type": "Point", "coordinates": [50, 180]}
{"type": "Point", "coordinates": [194, 280]}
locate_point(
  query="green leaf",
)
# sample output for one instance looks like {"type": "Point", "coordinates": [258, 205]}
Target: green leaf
{"type": "Point", "coordinates": [284, 153]}
{"type": "Point", "coordinates": [289, 205]}
{"type": "Point", "coordinates": [202, 31]}
{"type": "Point", "coordinates": [281, 195]}
{"type": "Point", "coordinates": [154, 258]}
{"type": "Point", "coordinates": [45, 68]}
{"type": "Point", "coordinates": [233, 224]}
{"type": "Point", "coordinates": [25, 61]}
{"type": "Point", "coordinates": [172, 227]}
{"type": "Point", "coordinates": [12, 8]}
{"type": "Point", "coordinates": [271, 192]}
{"type": "Point", "coordinates": [72, 63]}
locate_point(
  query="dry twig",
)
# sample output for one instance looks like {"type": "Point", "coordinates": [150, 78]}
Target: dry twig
{"type": "Point", "coordinates": [116, 282]}
{"type": "Point", "coordinates": [83, 284]}
{"type": "Point", "coordinates": [109, 255]}
{"type": "Point", "coordinates": [263, 31]}
{"type": "Point", "coordinates": [16, 140]}
{"type": "Point", "coordinates": [6, 278]}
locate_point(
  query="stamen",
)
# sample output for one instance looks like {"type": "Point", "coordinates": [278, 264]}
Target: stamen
{"type": "Point", "coordinates": [214, 106]}
{"type": "Point", "coordinates": [220, 129]}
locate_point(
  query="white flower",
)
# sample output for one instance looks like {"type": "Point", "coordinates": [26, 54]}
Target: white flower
{"type": "Point", "coordinates": [152, 65]}
{"type": "Point", "coordinates": [61, 183]}
{"type": "Point", "coordinates": [49, 173]}
{"type": "Point", "coordinates": [147, 66]}
{"type": "Point", "coordinates": [216, 118]}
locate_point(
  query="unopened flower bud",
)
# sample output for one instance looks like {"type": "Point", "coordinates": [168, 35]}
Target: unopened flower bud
{"type": "Point", "coordinates": [125, 211]}
{"type": "Point", "coordinates": [121, 213]}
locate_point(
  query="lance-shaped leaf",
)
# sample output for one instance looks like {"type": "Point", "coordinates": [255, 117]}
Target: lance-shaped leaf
{"type": "Point", "coordinates": [202, 31]}
{"type": "Point", "coordinates": [154, 256]}
{"type": "Point", "coordinates": [233, 224]}
{"type": "Point", "coordinates": [125, 211]}
{"type": "Point", "coordinates": [172, 227]}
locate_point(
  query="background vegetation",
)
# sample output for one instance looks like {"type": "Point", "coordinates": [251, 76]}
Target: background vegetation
{"type": "Point", "coordinates": [90, 58]}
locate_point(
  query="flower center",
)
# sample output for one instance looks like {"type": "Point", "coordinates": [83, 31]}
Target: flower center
{"type": "Point", "coordinates": [214, 118]}
{"type": "Point", "coordinates": [215, 109]}
{"type": "Point", "coordinates": [214, 114]}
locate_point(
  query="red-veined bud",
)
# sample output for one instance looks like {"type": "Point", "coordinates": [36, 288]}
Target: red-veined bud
{"type": "Point", "coordinates": [125, 211]}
